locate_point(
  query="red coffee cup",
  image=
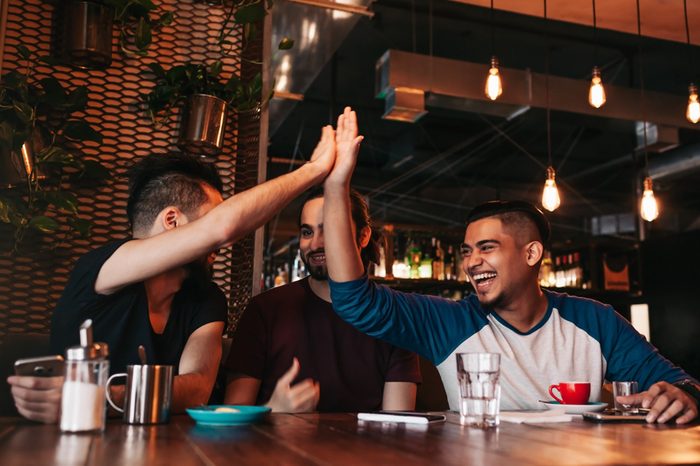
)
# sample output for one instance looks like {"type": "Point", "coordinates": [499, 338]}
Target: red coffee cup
{"type": "Point", "coordinates": [571, 393]}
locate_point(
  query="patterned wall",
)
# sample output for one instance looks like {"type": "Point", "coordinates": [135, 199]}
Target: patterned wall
{"type": "Point", "coordinates": [30, 284]}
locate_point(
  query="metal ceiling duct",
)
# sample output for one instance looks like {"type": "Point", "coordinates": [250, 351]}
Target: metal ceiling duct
{"type": "Point", "coordinates": [679, 162]}
{"type": "Point", "coordinates": [453, 80]}
{"type": "Point", "coordinates": [318, 28]}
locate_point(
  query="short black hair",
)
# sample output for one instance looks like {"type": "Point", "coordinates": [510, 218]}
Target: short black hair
{"type": "Point", "coordinates": [502, 208]}
{"type": "Point", "coordinates": [157, 181]}
{"type": "Point", "coordinates": [359, 210]}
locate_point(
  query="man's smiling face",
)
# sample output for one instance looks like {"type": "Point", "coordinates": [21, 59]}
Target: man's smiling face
{"type": "Point", "coordinates": [494, 261]}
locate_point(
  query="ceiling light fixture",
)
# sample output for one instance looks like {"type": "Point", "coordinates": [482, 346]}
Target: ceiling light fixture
{"type": "Point", "coordinates": [692, 113]}
{"type": "Point", "coordinates": [596, 93]}
{"type": "Point", "coordinates": [550, 194]}
{"type": "Point", "coordinates": [648, 208]}
{"type": "Point", "coordinates": [494, 85]}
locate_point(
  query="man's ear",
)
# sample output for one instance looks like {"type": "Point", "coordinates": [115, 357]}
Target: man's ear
{"type": "Point", "coordinates": [170, 217]}
{"type": "Point", "coordinates": [533, 252]}
{"type": "Point", "coordinates": [365, 236]}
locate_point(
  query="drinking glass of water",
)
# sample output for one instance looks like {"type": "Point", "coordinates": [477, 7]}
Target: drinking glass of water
{"type": "Point", "coordinates": [625, 388]}
{"type": "Point", "coordinates": [479, 387]}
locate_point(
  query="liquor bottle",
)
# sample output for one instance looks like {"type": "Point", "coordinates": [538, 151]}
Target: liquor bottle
{"type": "Point", "coordinates": [414, 254]}
{"type": "Point", "coordinates": [425, 269]}
{"type": "Point", "coordinates": [546, 271]}
{"type": "Point", "coordinates": [449, 264]}
{"type": "Point", "coordinates": [439, 261]}
{"type": "Point", "coordinates": [578, 271]}
{"type": "Point", "coordinates": [298, 269]}
{"type": "Point", "coordinates": [570, 271]}
{"type": "Point", "coordinates": [380, 269]}
{"type": "Point", "coordinates": [560, 279]}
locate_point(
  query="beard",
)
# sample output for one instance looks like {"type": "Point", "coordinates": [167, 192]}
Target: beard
{"type": "Point", "coordinates": [199, 274]}
{"type": "Point", "coordinates": [317, 272]}
{"type": "Point", "coordinates": [497, 302]}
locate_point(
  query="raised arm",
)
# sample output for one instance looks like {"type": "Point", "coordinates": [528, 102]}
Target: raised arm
{"type": "Point", "coordinates": [234, 218]}
{"type": "Point", "coordinates": [343, 259]}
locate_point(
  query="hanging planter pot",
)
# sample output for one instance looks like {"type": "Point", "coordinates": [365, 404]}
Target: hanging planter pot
{"type": "Point", "coordinates": [87, 34]}
{"type": "Point", "coordinates": [202, 125]}
{"type": "Point", "coordinates": [17, 166]}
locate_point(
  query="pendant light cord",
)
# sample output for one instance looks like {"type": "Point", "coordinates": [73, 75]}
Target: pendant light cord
{"type": "Point", "coordinates": [546, 88]}
{"type": "Point", "coordinates": [493, 33]}
{"type": "Point", "coordinates": [595, 36]}
{"type": "Point", "coordinates": [641, 87]}
{"type": "Point", "coordinates": [687, 38]}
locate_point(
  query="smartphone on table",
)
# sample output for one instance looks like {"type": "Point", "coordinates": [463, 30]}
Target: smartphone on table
{"type": "Point", "coordinates": [612, 415]}
{"type": "Point", "coordinates": [408, 417]}
{"type": "Point", "coordinates": [43, 366]}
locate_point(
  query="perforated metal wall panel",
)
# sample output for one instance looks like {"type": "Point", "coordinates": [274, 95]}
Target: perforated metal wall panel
{"type": "Point", "coordinates": [31, 283]}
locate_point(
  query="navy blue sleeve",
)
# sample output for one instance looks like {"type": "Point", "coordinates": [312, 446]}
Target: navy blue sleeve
{"type": "Point", "coordinates": [627, 353]}
{"type": "Point", "coordinates": [428, 325]}
{"type": "Point", "coordinates": [631, 357]}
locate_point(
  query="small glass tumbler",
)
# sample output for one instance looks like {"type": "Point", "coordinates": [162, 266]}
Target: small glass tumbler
{"type": "Point", "coordinates": [480, 389]}
{"type": "Point", "coordinates": [624, 388]}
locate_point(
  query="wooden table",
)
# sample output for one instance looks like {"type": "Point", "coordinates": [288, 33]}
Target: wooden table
{"type": "Point", "coordinates": [339, 439]}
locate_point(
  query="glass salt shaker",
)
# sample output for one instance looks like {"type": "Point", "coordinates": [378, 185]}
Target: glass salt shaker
{"type": "Point", "coordinates": [83, 405]}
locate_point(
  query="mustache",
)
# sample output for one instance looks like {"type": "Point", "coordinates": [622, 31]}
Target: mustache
{"type": "Point", "coordinates": [316, 251]}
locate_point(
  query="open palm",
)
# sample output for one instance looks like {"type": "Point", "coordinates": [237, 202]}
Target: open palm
{"type": "Point", "coordinates": [347, 145]}
{"type": "Point", "coordinates": [324, 153]}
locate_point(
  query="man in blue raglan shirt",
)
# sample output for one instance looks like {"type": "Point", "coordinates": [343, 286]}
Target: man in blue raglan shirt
{"type": "Point", "coordinates": [543, 337]}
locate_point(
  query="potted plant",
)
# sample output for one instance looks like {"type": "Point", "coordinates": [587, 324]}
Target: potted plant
{"type": "Point", "coordinates": [205, 98]}
{"type": "Point", "coordinates": [38, 137]}
{"type": "Point", "coordinates": [202, 92]}
{"type": "Point", "coordinates": [88, 26]}
{"type": "Point", "coordinates": [137, 19]}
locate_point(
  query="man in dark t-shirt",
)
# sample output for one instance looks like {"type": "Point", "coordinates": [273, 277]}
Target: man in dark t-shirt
{"type": "Point", "coordinates": [292, 352]}
{"type": "Point", "coordinates": [155, 289]}
{"type": "Point", "coordinates": [122, 320]}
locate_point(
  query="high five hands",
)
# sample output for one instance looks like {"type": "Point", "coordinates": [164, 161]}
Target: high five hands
{"type": "Point", "coordinates": [347, 146]}
{"type": "Point", "coordinates": [336, 152]}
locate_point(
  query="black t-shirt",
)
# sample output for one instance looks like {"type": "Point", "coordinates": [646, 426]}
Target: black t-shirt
{"type": "Point", "coordinates": [121, 319]}
{"type": "Point", "coordinates": [291, 321]}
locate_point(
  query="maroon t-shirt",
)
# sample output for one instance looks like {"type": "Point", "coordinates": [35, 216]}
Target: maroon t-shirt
{"type": "Point", "coordinates": [291, 321]}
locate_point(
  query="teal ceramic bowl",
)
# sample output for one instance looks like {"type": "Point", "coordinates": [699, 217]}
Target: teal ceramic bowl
{"type": "Point", "coordinates": [208, 416]}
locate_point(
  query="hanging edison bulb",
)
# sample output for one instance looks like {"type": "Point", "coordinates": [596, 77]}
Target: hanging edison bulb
{"type": "Point", "coordinates": [596, 94]}
{"type": "Point", "coordinates": [494, 87]}
{"type": "Point", "coordinates": [649, 208]}
{"type": "Point", "coordinates": [550, 195]}
{"type": "Point", "coordinates": [693, 111]}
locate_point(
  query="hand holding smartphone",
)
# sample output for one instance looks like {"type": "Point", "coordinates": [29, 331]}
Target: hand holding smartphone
{"type": "Point", "coordinates": [43, 366]}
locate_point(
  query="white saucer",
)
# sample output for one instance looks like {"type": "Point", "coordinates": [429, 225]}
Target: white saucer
{"type": "Point", "coordinates": [574, 409]}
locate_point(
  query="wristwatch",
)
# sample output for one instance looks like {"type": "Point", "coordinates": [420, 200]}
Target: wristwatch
{"type": "Point", "coordinates": [691, 388]}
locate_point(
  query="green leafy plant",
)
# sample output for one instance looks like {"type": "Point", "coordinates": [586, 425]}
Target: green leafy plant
{"type": "Point", "coordinates": [181, 81]}
{"type": "Point", "coordinates": [136, 20]}
{"type": "Point", "coordinates": [43, 110]}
